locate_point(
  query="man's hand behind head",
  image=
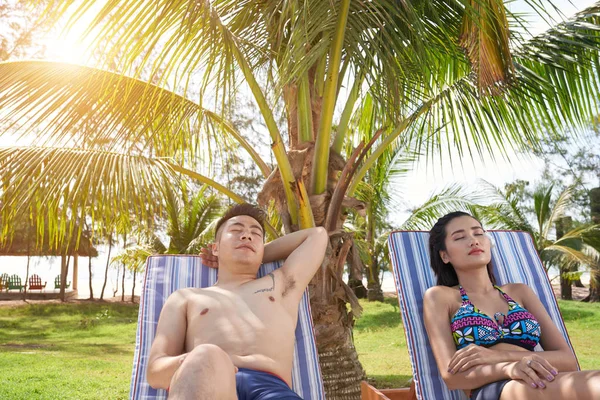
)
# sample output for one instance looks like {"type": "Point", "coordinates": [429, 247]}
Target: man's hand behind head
{"type": "Point", "coordinates": [208, 258]}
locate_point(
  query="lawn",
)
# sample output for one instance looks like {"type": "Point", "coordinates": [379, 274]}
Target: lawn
{"type": "Point", "coordinates": [85, 350]}
{"type": "Point", "coordinates": [67, 351]}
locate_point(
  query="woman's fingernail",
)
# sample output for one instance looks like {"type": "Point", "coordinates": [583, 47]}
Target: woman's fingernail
{"type": "Point", "coordinates": [554, 372]}
{"type": "Point", "coordinates": [541, 384]}
{"type": "Point", "coordinates": [550, 377]}
{"type": "Point", "coordinates": [533, 385]}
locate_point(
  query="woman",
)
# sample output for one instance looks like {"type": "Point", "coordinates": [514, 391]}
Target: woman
{"type": "Point", "coordinates": [482, 335]}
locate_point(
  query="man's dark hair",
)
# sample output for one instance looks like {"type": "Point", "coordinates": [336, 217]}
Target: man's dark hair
{"type": "Point", "coordinates": [445, 273]}
{"type": "Point", "coordinates": [242, 209]}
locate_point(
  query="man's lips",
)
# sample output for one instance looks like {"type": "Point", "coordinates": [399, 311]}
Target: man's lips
{"type": "Point", "coordinates": [475, 251]}
{"type": "Point", "coordinates": [246, 246]}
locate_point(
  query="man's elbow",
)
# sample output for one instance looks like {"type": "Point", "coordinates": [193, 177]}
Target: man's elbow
{"type": "Point", "coordinates": [154, 379]}
{"type": "Point", "coordinates": [321, 234]}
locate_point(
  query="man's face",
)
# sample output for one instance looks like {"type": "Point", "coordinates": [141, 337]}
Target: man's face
{"type": "Point", "coordinates": [240, 243]}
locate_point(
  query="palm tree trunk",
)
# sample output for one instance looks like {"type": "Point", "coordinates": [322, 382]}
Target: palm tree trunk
{"type": "Point", "coordinates": [341, 370]}
{"type": "Point", "coordinates": [65, 259]}
{"type": "Point", "coordinates": [133, 288]}
{"type": "Point", "coordinates": [594, 295]}
{"type": "Point", "coordinates": [107, 264]}
{"type": "Point", "coordinates": [123, 284]}
{"type": "Point", "coordinates": [566, 291]}
{"type": "Point", "coordinates": [90, 272]}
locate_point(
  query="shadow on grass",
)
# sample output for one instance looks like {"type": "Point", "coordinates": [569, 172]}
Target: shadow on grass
{"type": "Point", "coordinates": [389, 381]}
{"type": "Point", "coordinates": [387, 319]}
{"type": "Point", "coordinates": [95, 350]}
{"type": "Point", "coordinates": [574, 314]}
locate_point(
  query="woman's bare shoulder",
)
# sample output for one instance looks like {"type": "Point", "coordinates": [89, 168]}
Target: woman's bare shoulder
{"type": "Point", "coordinates": [440, 294]}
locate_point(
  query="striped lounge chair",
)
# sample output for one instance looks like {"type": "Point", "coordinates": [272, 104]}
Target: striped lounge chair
{"type": "Point", "coordinates": [515, 259]}
{"type": "Point", "coordinates": [166, 274]}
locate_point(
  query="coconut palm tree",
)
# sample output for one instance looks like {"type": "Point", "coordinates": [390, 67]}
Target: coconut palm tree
{"type": "Point", "coordinates": [565, 246]}
{"type": "Point", "coordinates": [446, 74]}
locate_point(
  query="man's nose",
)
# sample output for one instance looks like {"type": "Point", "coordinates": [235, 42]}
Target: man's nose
{"type": "Point", "coordinates": [246, 235]}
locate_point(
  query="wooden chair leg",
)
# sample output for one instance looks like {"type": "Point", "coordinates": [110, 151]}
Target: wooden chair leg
{"type": "Point", "coordinates": [368, 392]}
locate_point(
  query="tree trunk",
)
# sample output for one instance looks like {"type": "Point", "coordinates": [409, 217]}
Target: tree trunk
{"type": "Point", "coordinates": [594, 295]}
{"type": "Point", "coordinates": [107, 264]}
{"type": "Point", "coordinates": [374, 286]}
{"type": "Point", "coordinates": [355, 274]}
{"type": "Point", "coordinates": [65, 259]}
{"type": "Point", "coordinates": [133, 288]}
{"type": "Point", "coordinates": [123, 284]}
{"type": "Point", "coordinates": [329, 294]}
{"type": "Point", "coordinates": [90, 271]}
{"type": "Point", "coordinates": [563, 225]}
{"type": "Point", "coordinates": [341, 370]}
{"type": "Point", "coordinates": [27, 273]}
{"type": "Point", "coordinates": [117, 283]}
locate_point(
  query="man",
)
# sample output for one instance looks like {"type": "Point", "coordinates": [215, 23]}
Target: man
{"type": "Point", "coordinates": [235, 340]}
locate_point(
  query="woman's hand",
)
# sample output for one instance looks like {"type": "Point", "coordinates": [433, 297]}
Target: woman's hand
{"type": "Point", "coordinates": [471, 356]}
{"type": "Point", "coordinates": [533, 370]}
{"type": "Point", "coordinates": [208, 258]}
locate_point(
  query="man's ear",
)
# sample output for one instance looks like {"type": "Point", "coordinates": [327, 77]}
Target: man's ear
{"type": "Point", "coordinates": [215, 249]}
{"type": "Point", "coordinates": [443, 256]}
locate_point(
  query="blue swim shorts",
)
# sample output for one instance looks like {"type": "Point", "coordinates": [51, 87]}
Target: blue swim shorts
{"type": "Point", "coordinates": [491, 391]}
{"type": "Point", "coordinates": [259, 385]}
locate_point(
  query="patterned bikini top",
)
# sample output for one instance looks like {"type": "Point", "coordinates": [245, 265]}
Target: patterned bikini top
{"type": "Point", "coordinates": [471, 326]}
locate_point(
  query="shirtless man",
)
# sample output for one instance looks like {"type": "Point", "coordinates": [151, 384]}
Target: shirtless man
{"type": "Point", "coordinates": [235, 340]}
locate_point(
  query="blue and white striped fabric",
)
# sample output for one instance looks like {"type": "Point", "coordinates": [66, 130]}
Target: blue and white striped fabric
{"type": "Point", "coordinates": [166, 274]}
{"type": "Point", "coordinates": [515, 260]}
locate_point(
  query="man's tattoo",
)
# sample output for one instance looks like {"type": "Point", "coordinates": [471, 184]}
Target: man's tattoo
{"type": "Point", "coordinates": [268, 289]}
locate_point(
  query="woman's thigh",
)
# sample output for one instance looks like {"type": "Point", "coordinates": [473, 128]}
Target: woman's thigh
{"type": "Point", "coordinates": [580, 385]}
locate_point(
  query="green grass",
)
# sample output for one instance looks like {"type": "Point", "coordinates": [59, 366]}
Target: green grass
{"type": "Point", "coordinates": [85, 350]}
{"type": "Point", "coordinates": [66, 351]}
{"type": "Point", "coordinates": [381, 345]}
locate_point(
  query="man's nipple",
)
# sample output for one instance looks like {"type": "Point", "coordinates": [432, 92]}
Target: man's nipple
{"type": "Point", "coordinates": [204, 311]}
{"type": "Point", "coordinates": [271, 298]}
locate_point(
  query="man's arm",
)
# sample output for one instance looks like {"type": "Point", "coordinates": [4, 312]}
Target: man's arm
{"type": "Point", "coordinates": [304, 251]}
{"type": "Point", "coordinates": [167, 352]}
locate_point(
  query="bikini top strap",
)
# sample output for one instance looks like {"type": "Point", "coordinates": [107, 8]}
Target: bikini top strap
{"type": "Point", "coordinates": [463, 294]}
{"type": "Point", "coordinates": [507, 297]}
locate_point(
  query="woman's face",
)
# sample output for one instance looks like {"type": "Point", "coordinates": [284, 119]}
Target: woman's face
{"type": "Point", "coordinates": [467, 245]}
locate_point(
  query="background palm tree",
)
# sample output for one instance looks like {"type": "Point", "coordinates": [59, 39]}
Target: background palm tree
{"type": "Point", "coordinates": [444, 74]}
{"type": "Point", "coordinates": [560, 242]}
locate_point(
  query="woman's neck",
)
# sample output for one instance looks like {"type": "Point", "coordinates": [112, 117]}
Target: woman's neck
{"type": "Point", "coordinates": [476, 281]}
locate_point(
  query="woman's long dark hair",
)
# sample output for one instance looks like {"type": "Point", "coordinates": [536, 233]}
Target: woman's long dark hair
{"type": "Point", "coordinates": [445, 273]}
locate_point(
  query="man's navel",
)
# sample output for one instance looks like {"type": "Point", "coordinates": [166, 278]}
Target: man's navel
{"type": "Point", "coordinates": [204, 311]}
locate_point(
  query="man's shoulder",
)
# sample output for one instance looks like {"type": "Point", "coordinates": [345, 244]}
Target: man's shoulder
{"type": "Point", "coordinates": [183, 295]}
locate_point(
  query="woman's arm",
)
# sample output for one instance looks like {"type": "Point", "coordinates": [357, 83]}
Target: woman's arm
{"type": "Point", "coordinates": [556, 350]}
{"type": "Point", "coordinates": [436, 313]}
